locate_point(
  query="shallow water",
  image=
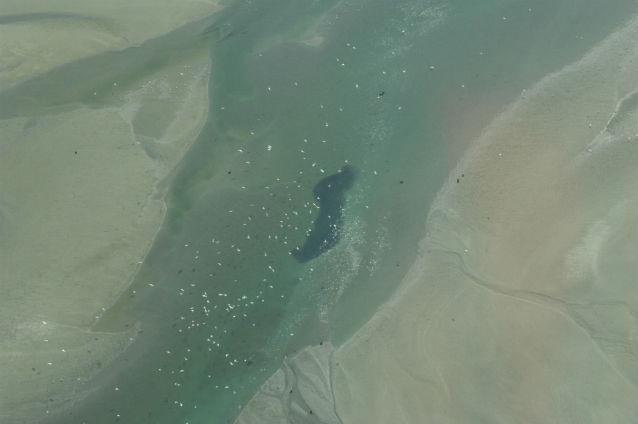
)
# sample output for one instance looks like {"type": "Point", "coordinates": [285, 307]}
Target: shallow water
{"type": "Point", "coordinates": [299, 90]}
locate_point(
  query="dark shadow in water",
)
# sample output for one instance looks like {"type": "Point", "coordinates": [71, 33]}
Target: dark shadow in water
{"type": "Point", "coordinates": [330, 193]}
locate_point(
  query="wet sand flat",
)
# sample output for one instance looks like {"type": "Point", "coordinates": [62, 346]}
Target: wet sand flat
{"type": "Point", "coordinates": [81, 193]}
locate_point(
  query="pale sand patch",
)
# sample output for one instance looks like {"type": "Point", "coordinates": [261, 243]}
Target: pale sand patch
{"type": "Point", "coordinates": [38, 35]}
{"type": "Point", "coordinates": [299, 391]}
{"type": "Point", "coordinates": [74, 227]}
{"type": "Point", "coordinates": [307, 32]}
{"type": "Point", "coordinates": [522, 307]}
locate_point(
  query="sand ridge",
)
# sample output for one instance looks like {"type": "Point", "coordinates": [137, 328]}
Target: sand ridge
{"type": "Point", "coordinates": [37, 37]}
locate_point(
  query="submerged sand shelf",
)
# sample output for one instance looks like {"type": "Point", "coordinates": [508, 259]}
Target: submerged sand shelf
{"type": "Point", "coordinates": [522, 306]}
{"type": "Point", "coordinates": [81, 199]}
{"type": "Point", "coordinates": [44, 364]}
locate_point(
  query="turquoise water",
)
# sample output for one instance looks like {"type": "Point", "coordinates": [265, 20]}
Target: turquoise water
{"type": "Point", "coordinates": [298, 90]}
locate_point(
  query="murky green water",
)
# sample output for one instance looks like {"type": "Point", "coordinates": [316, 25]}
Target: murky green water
{"type": "Point", "coordinates": [298, 90]}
